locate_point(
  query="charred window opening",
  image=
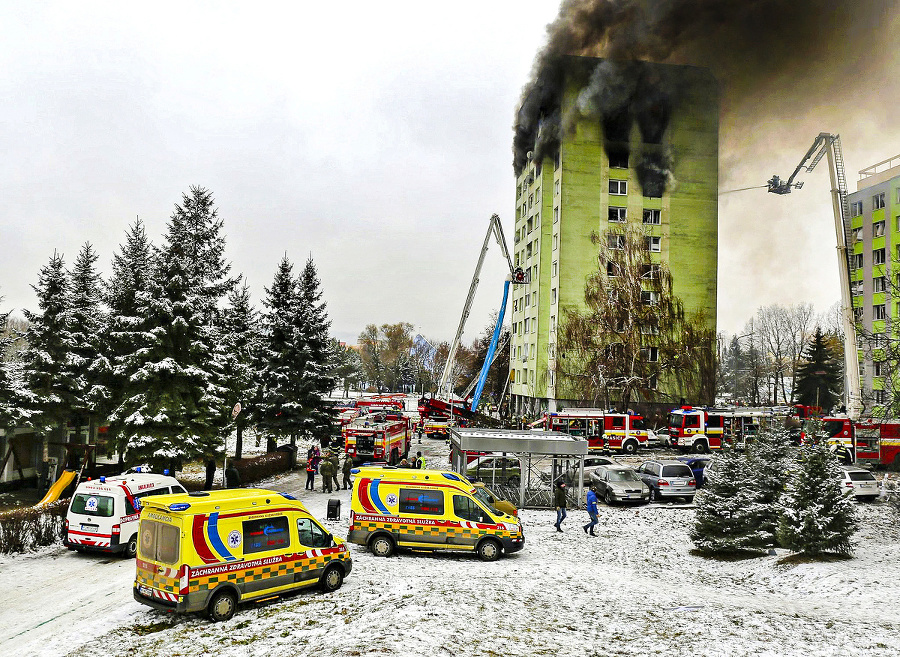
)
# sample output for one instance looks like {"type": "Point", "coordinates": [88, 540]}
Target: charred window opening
{"type": "Point", "coordinates": [653, 174]}
{"type": "Point", "coordinates": [618, 157]}
{"type": "Point", "coordinates": [617, 127]}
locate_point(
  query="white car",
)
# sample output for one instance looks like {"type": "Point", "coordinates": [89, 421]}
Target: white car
{"type": "Point", "coordinates": [861, 482]}
{"type": "Point", "coordinates": [591, 464]}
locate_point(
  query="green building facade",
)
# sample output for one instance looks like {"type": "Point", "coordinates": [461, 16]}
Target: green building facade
{"type": "Point", "coordinates": [874, 245]}
{"type": "Point", "coordinates": [593, 180]}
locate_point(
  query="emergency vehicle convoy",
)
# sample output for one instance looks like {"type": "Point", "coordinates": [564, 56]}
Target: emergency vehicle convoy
{"type": "Point", "coordinates": [427, 510]}
{"type": "Point", "coordinates": [704, 429]}
{"type": "Point", "coordinates": [619, 432]}
{"type": "Point", "coordinates": [377, 437]}
{"type": "Point", "coordinates": [103, 514]}
{"type": "Point", "coordinates": [210, 551]}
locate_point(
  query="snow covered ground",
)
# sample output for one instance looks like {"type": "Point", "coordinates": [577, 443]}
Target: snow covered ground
{"type": "Point", "coordinates": [634, 590]}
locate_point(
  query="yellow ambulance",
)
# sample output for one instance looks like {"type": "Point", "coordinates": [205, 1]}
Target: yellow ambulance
{"type": "Point", "coordinates": [427, 510]}
{"type": "Point", "coordinates": [210, 551]}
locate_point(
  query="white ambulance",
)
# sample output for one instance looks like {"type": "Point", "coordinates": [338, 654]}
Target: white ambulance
{"type": "Point", "coordinates": [103, 514]}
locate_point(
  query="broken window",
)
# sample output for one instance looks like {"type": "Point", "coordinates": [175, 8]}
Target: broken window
{"type": "Point", "coordinates": [878, 229]}
{"type": "Point", "coordinates": [878, 201]}
{"type": "Point", "coordinates": [856, 208]}
{"type": "Point", "coordinates": [617, 214]}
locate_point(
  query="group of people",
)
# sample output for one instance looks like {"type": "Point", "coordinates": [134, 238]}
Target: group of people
{"type": "Point", "coordinates": [560, 501]}
{"type": "Point", "coordinates": [327, 465]}
{"type": "Point", "coordinates": [418, 462]}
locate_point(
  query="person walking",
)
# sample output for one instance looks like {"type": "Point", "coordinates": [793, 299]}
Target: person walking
{"type": "Point", "coordinates": [559, 501]}
{"type": "Point", "coordinates": [335, 468]}
{"type": "Point", "coordinates": [348, 465]}
{"type": "Point", "coordinates": [325, 469]}
{"type": "Point", "coordinates": [592, 511]}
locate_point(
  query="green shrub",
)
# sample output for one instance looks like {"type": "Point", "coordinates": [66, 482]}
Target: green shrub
{"type": "Point", "coordinates": [31, 527]}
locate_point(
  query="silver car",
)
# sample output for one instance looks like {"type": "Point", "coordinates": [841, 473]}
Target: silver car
{"type": "Point", "coordinates": [668, 478]}
{"type": "Point", "coordinates": [591, 464]}
{"type": "Point", "coordinates": [618, 483]}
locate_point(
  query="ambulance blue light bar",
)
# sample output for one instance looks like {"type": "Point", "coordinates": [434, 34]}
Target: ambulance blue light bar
{"type": "Point", "coordinates": [179, 506]}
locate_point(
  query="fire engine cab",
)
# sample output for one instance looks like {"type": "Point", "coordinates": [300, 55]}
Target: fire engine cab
{"type": "Point", "coordinates": [704, 429]}
{"type": "Point", "coordinates": [619, 432]}
{"type": "Point", "coordinates": [874, 440]}
{"type": "Point", "coordinates": [377, 437]}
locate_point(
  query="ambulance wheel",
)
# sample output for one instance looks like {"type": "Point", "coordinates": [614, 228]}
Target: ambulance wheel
{"type": "Point", "coordinates": [630, 447]}
{"type": "Point", "coordinates": [700, 447]}
{"type": "Point", "coordinates": [332, 579]}
{"type": "Point", "coordinates": [488, 550]}
{"type": "Point", "coordinates": [222, 606]}
{"type": "Point", "coordinates": [130, 550]}
{"type": "Point", "coordinates": [382, 545]}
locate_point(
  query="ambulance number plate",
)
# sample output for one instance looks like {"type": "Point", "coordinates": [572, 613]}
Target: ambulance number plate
{"type": "Point", "coordinates": [145, 590]}
{"type": "Point", "coordinates": [89, 528]}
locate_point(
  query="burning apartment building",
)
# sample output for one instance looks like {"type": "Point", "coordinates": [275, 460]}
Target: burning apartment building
{"type": "Point", "coordinates": [599, 145]}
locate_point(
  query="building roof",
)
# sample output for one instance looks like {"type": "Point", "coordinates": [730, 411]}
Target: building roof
{"type": "Point", "coordinates": [518, 441]}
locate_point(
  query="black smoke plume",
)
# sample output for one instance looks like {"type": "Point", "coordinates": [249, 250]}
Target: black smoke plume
{"type": "Point", "coordinates": [756, 49]}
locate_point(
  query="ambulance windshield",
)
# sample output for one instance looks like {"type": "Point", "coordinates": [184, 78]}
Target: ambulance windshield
{"type": "Point", "coordinates": [93, 505]}
{"type": "Point", "coordinates": [485, 497]}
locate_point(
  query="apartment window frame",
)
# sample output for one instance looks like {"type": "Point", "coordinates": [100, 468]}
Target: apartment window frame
{"type": "Point", "coordinates": [879, 257]}
{"type": "Point", "coordinates": [618, 187]}
{"type": "Point", "coordinates": [878, 201]}
{"type": "Point", "coordinates": [878, 228]}
{"type": "Point", "coordinates": [617, 214]}
{"type": "Point", "coordinates": [615, 241]}
{"type": "Point", "coordinates": [652, 217]}
{"type": "Point", "coordinates": [879, 312]}
{"type": "Point", "coordinates": [856, 208]}
{"type": "Point", "coordinates": [653, 243]}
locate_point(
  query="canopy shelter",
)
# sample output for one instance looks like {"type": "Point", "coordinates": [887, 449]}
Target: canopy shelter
{"type": "Point", "coordinates": [520, 464]}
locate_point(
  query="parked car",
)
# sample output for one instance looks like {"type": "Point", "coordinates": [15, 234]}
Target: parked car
{"type": "Point", "coordinates": [619, 483]}
{"type": "Point", "coordinates": [667, 479]}
{"type": "Point", "coordinates": [591, 464]}
{"type": "Point", "coordinates": [662, 437]}
{"type": "Point", "coordinates": [697, 464]}
{"type": "Point", "coordinates": [861, 482]}
{"type": "Point", "coordinates": [487, 496]}
{"type": "Point", "coordinates": [495, 469]}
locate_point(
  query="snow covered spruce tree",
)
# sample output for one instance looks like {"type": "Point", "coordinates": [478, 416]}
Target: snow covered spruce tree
{"type": "Point", "coordinates": [88, 318]}
{"type": "Point", "coordinates": [295, 358]}
{"type": "Point", "coordinates": [11, 393]}
{"type": "Point", "coordinates": [129, 282]}
{"type": "Point", "coordinates": [240, 335]}
{"type": "Point", "coordinates": [818, 516]}
{"type": "Point", "coordinates": [277, 408]}
{"type": "Point", "coordinates": [47, 361]}
{"type": "Point", "coordinates": [173, 402]}
{"type": "Point", "coordinates": [771, 458]}
{"type": "Point", "coordinates": [728, 507]}
{"type": "Point", "coordinates": [317, 379]}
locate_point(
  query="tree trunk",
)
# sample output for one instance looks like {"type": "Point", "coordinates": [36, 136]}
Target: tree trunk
{"type": "Point", "coordinates": [239, 442]}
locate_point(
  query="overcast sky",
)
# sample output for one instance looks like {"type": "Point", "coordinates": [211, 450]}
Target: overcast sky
{"type": "Point", "coordinates": [374, 136]}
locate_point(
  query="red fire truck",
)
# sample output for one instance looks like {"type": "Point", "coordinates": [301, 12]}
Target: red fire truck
{"type": "Point", "coordinates": [377, 438]}
{"type": "Point", "coordinates": [620, 432]}
{"type": "Point", "coordinates": [704, 429]}
{"type": "Point", "coordinates": [874, 440]}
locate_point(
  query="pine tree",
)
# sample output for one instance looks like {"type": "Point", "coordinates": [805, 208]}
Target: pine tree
{"type": "Point", "coordinates": [240, 337]}
{"type": "Point", "coordinates": [819, 376]}
{"type": "Point", "coordinates": [130, 280]}
{"type": "Point", "coordinates": [771, 458]}
{"type": "Point", "coordinates": [727, 507]}
{"type": "Point", "coordinates": [172, 407]}
{"type": "Point", "coordinates": [47, 360]}
{"type": "Point", "coordinates": [317, 357]}
{"type": "Point", "coordinates": [277, 408]}
{"type": "Point", "coordinates": [88, 319]}
{"type": "Point", "coordinates": [11, 397]}
{"type": "Point", "coordinates": [818, 516]}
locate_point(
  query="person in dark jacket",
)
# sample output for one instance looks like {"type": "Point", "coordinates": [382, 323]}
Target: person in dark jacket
{"type": "Point", "coordinates": [348, 465]}
{"type": "Point", "coordinates": [310, 474]}
{"type": "Point", "coordinates": [559, 501]}
{"type": "Point", "coordinates": [326, 470]}
{"type": "Point", "coordinates": [335, 468]}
